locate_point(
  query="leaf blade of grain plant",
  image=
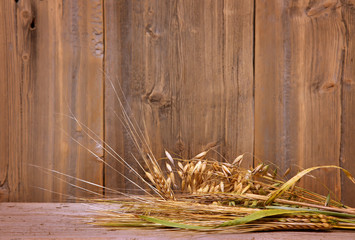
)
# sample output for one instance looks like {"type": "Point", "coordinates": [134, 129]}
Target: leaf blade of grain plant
{"type": "Point", "coordinates": [330, 213]}
{"type": "Point", "coordinates": [257, 215]}
{"type": "Point", "coordinates": [298, 176]}
{"type": "Point", "coordinates": [172, 224]}
{"type": "Point", "coordinates": [327, 200]}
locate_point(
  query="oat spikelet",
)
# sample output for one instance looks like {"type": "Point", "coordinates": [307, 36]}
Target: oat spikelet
{"type": "Point", "coordinates": [238, 160]}
{"type": "Point", "coordinates": [200, 155]}
{"type": "Point", "coordinates": [169, 157]}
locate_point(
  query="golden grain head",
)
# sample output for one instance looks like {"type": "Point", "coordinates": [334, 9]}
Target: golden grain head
{"type": "Point", "coordinates": [150, 177]}
{"type": "Point", "coordinates": [238, 160]}
{"type": "Point", "coordinates": [168, 167]}
{"type": "Point", "coordinates": [167, 154]}
{"type": "Point", "coordinates": [226, 171]}
{"type": "Point", "coordinates": [221, 185]}
{"type": "Point", "coordinates": [187, 166]}
{"type": "Point", "coordinates": [200, 155]}
{"type": "Point", "coordinates": [180, 165]}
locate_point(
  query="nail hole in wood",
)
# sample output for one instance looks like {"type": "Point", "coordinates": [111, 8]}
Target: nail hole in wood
{"type": "Point", "coordinates": [16, 1]}
{"type": "Point", "coordinates": [33, 24]}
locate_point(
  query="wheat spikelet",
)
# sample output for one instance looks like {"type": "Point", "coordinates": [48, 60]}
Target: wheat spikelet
{"type": "Point", "coordinates": [163, 187]}
{"type": "Point", "coordinates": [274, 226]}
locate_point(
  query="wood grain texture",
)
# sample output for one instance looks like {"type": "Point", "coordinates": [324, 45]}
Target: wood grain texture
{"type": "Point", "coordinates": [69, 221]}
{"type": "Point", "coordinates": [186, 70]}
{"type": "Point", "coordinates": [18, 51]}
{"type": "Point", "coordinates": [348, 101]}
{"type": "Point", "coordinates": [54, 52]}
{"type": "Point", "coordinates": [9, 80]}
{"type": "Point", "coordinates": [79, 86]}
{"type": "Point", "coordinates": [299, 57]}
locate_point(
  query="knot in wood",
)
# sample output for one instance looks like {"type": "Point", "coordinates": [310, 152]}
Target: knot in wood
{"type": "Point", "coordinates": [25, 57]}
{"type": "Point", "coordinates": [328, 87]}
{"type": "Point", "coordinates": [348, 81]}
{"type": "Point", "coordinates": [155, 97]}
{"type": "Point", "coordinates": [150, 32]}
{"type": "Point", "coordinates": [25, 14]}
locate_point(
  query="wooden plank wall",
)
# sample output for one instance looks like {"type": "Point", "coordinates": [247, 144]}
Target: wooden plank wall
{"type": "Point", "coordinates": [51, 55]}
{"type": "Point", "coordinates": [303, 86]}
{"type": "Point", "coordinates": [270, 78]}
{"type": "Point", "coordinates": [186, 68]}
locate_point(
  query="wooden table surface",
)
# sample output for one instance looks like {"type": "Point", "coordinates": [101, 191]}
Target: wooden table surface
{"type": "Point", "coordinates": [69, 221]}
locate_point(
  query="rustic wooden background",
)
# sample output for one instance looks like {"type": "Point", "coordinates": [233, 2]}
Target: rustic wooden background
{"type": "Point", "coordinates": [274, 79]}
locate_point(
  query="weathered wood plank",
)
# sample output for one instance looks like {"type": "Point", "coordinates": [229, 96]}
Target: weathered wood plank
{"type": "Point", "coordinates": [54, 54]}
{"type": "Point", "coordinates": [78, 86]}
{"type": "Point", "coordinates": [116, 42]}
{"type": "Point", "coordinates": [186, 70]}
{"type": "Point", "coordinates": [18, 47]}
{"type": "Point", "coordinates": [69, 221]}
{"type": "Point", "coordinates": [238, 74]}
{"type": "Point", "coordinates": [8, 87]}
{"type": "Point", "coordinates": [298, 72]}
{"type": "Point", "coordinates": [348, 101]}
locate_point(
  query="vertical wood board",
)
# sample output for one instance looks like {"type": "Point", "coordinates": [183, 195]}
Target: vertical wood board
{"type": "Point", "coordinates": [186, 70]}
{"type": "Point", "coordinates": [299, 57]}
{"type": "Point", "coordinates": [54, 52]}
{"type": "Point", "coordinates": [347, 149]}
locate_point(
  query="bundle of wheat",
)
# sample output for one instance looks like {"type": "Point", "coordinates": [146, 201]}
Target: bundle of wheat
{"type": "Point", "coordinates": [207, 195]}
